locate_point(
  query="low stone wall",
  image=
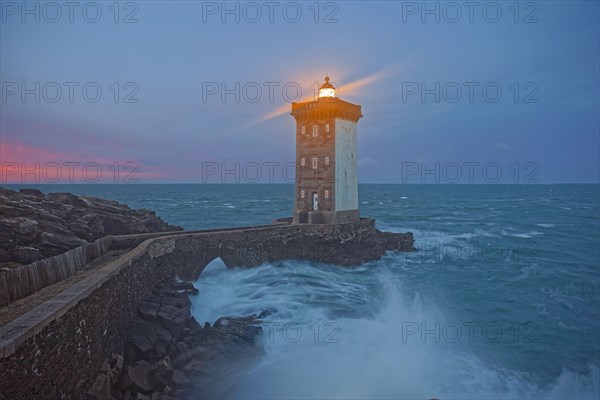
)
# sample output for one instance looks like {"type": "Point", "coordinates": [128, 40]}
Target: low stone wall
{"type": "Point", "coordinates": [57, 349]}
{"type": "Point", "coordinates": [19, 282]}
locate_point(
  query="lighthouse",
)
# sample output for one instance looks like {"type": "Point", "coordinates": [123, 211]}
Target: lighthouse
{"type": "Point", "coordinates": [326, 159]}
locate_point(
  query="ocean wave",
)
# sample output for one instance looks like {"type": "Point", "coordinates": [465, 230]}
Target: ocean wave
{"type": "Point", "coordinates": [573, 385]}
{"type": "Point", "coordinates": [341, 333]}
{"type": "Point", "coordinates": [522, 235]}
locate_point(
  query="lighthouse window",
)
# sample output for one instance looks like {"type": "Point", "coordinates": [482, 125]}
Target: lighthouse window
{"type": "Point", "coordinates": [326, 127]}
{"type": "Point", "coordinates": [315, 130]}
{"type": "Point", "coordinates": [303, 129]}
{"type": "Point", "coordinates": [326, 160]}
{"type": "Point", "coordinates": [327, 194]}
{"type": "Point", "coordinates": [303, 161]}
{"type": "Point", "coordinates": [302, 193]}
{"type": "Point", "coordinates": [314, 163]}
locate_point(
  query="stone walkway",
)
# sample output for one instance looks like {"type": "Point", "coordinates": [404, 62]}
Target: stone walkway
{"type": "Point", "coordinates": [14, 310]}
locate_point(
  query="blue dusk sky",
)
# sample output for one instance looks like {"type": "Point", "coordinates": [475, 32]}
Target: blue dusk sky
{"type": "Point", "coordinates": [187, 87]}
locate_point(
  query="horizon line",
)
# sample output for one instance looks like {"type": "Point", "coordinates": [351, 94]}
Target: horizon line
{"type": "Point", "coordinates": [292, 183]}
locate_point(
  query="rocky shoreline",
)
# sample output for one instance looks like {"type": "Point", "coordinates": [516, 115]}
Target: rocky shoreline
{"type": "Point", "coordinates": [34, 226]}
{"type": "Point", "coordinates": [171, 356]}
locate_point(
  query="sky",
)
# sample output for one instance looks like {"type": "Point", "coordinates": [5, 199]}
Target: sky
{"type": "Point", "coordinates": [190, 91]}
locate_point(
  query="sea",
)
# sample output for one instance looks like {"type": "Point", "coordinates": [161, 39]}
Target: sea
{"type": "Point", "coordinates": [501, 300]}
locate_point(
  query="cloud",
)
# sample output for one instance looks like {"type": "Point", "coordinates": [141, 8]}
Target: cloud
{"type": "Point", "coordinates": [28, 164]}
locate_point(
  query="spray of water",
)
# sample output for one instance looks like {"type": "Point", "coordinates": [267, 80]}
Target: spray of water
{"type": "Point", "coordinates": [331, 332]}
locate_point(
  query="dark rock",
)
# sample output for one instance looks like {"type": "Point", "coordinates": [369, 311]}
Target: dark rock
{"type": "Point", "coordinates": [140, 376]}
{"type": "Point", "coordinates": [141, 344]}
{"type": "Point", "coordinates": [185, 287]}
{"type": "Point", "coordinates": [194, 326]}
{"type": "Point", "coordinates": [179, 349]}
{"type": "Point", "coordinates": [169, 393]}
{"type": "Point", "coordinates": [179, 380]}
{"type": "Point", "coordinates": [115, 368]}
{"type": "Point", "coordinates": [51, 224]}
{"type": "Point", "coordinates": [174, 312]}
{"type": "Point", "coordinates": [100, 389]}
{"type": "Point", "coordinates": [162, 347]}
{"type": "Point", "coordinates": [229, 350]}
{"type": "Point", "coordinates": [184, 357]}
{"type": "Point", "coordinates": [148, 337]}
{"type": "Point", "coordinates": [266, 313]}
{"type": "Point", "coordinates": [26, 255]}
{"type": "Point", "coordinates": [117, 361]}
{"type": "Point", "coordinates": [149, 308]}
{"type": "Point", "coordinates": [59, 241]}
{"type": "Point", "coordinates": [167, 397]}
{"type": "Point", "coordinates": [251, 333]}
{"type": "Point", "coordinates": [162, 372]}
{"type": "Point", "coordinates": [31, 192]}
{"type": "Point", "coordinates": [155, 396]}
{"type": "Point", "coordinates": [398, 241]}
{"type": "Point", "coordinates": [124, 382]}
{"type": "Point", "coordinates": [66, 198]}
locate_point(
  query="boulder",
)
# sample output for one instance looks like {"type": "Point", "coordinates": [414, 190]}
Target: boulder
{"type": "Point", "coordinates": [174, 312]}
{"type": "Point", "coordinates": [143, 339]}
{"type": "Point", "coordinates": [162, 372]}
{"type": "Point", "coordinates": [140, 376]}
{"type": "Point", "coordinates": [179, 380]}
{"type": "Point", "coordinates": [124, 382]}
{"type": "Point", "coordinates": [149, 308]}
{"type": "Point", "coordinates": [185, 356]}
{"type": "Point", "coordinates": [31, 192]}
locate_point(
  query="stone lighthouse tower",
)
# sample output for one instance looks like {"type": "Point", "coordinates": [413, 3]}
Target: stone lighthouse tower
{"type": "Point", "coordinates": [326, 159]}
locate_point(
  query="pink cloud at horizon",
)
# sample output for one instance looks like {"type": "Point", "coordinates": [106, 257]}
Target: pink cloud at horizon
{"type": "Point", "coordinates": [22, 163]}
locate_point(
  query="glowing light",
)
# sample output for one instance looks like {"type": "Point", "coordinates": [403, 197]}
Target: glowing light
{"type": "Point", "coordinates": [327, 92]}
{"type": "Point", "coordinates": [351, 88]}
{"type": "Point", "coordinates": [327, 89]}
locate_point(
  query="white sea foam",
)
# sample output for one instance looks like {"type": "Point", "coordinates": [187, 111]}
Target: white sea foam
{"type": "Point", "coordinates": [363, 354]}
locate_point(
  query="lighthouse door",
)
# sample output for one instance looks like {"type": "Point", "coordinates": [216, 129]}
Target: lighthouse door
{"type": "Point", "coordinates": [315, 201]}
